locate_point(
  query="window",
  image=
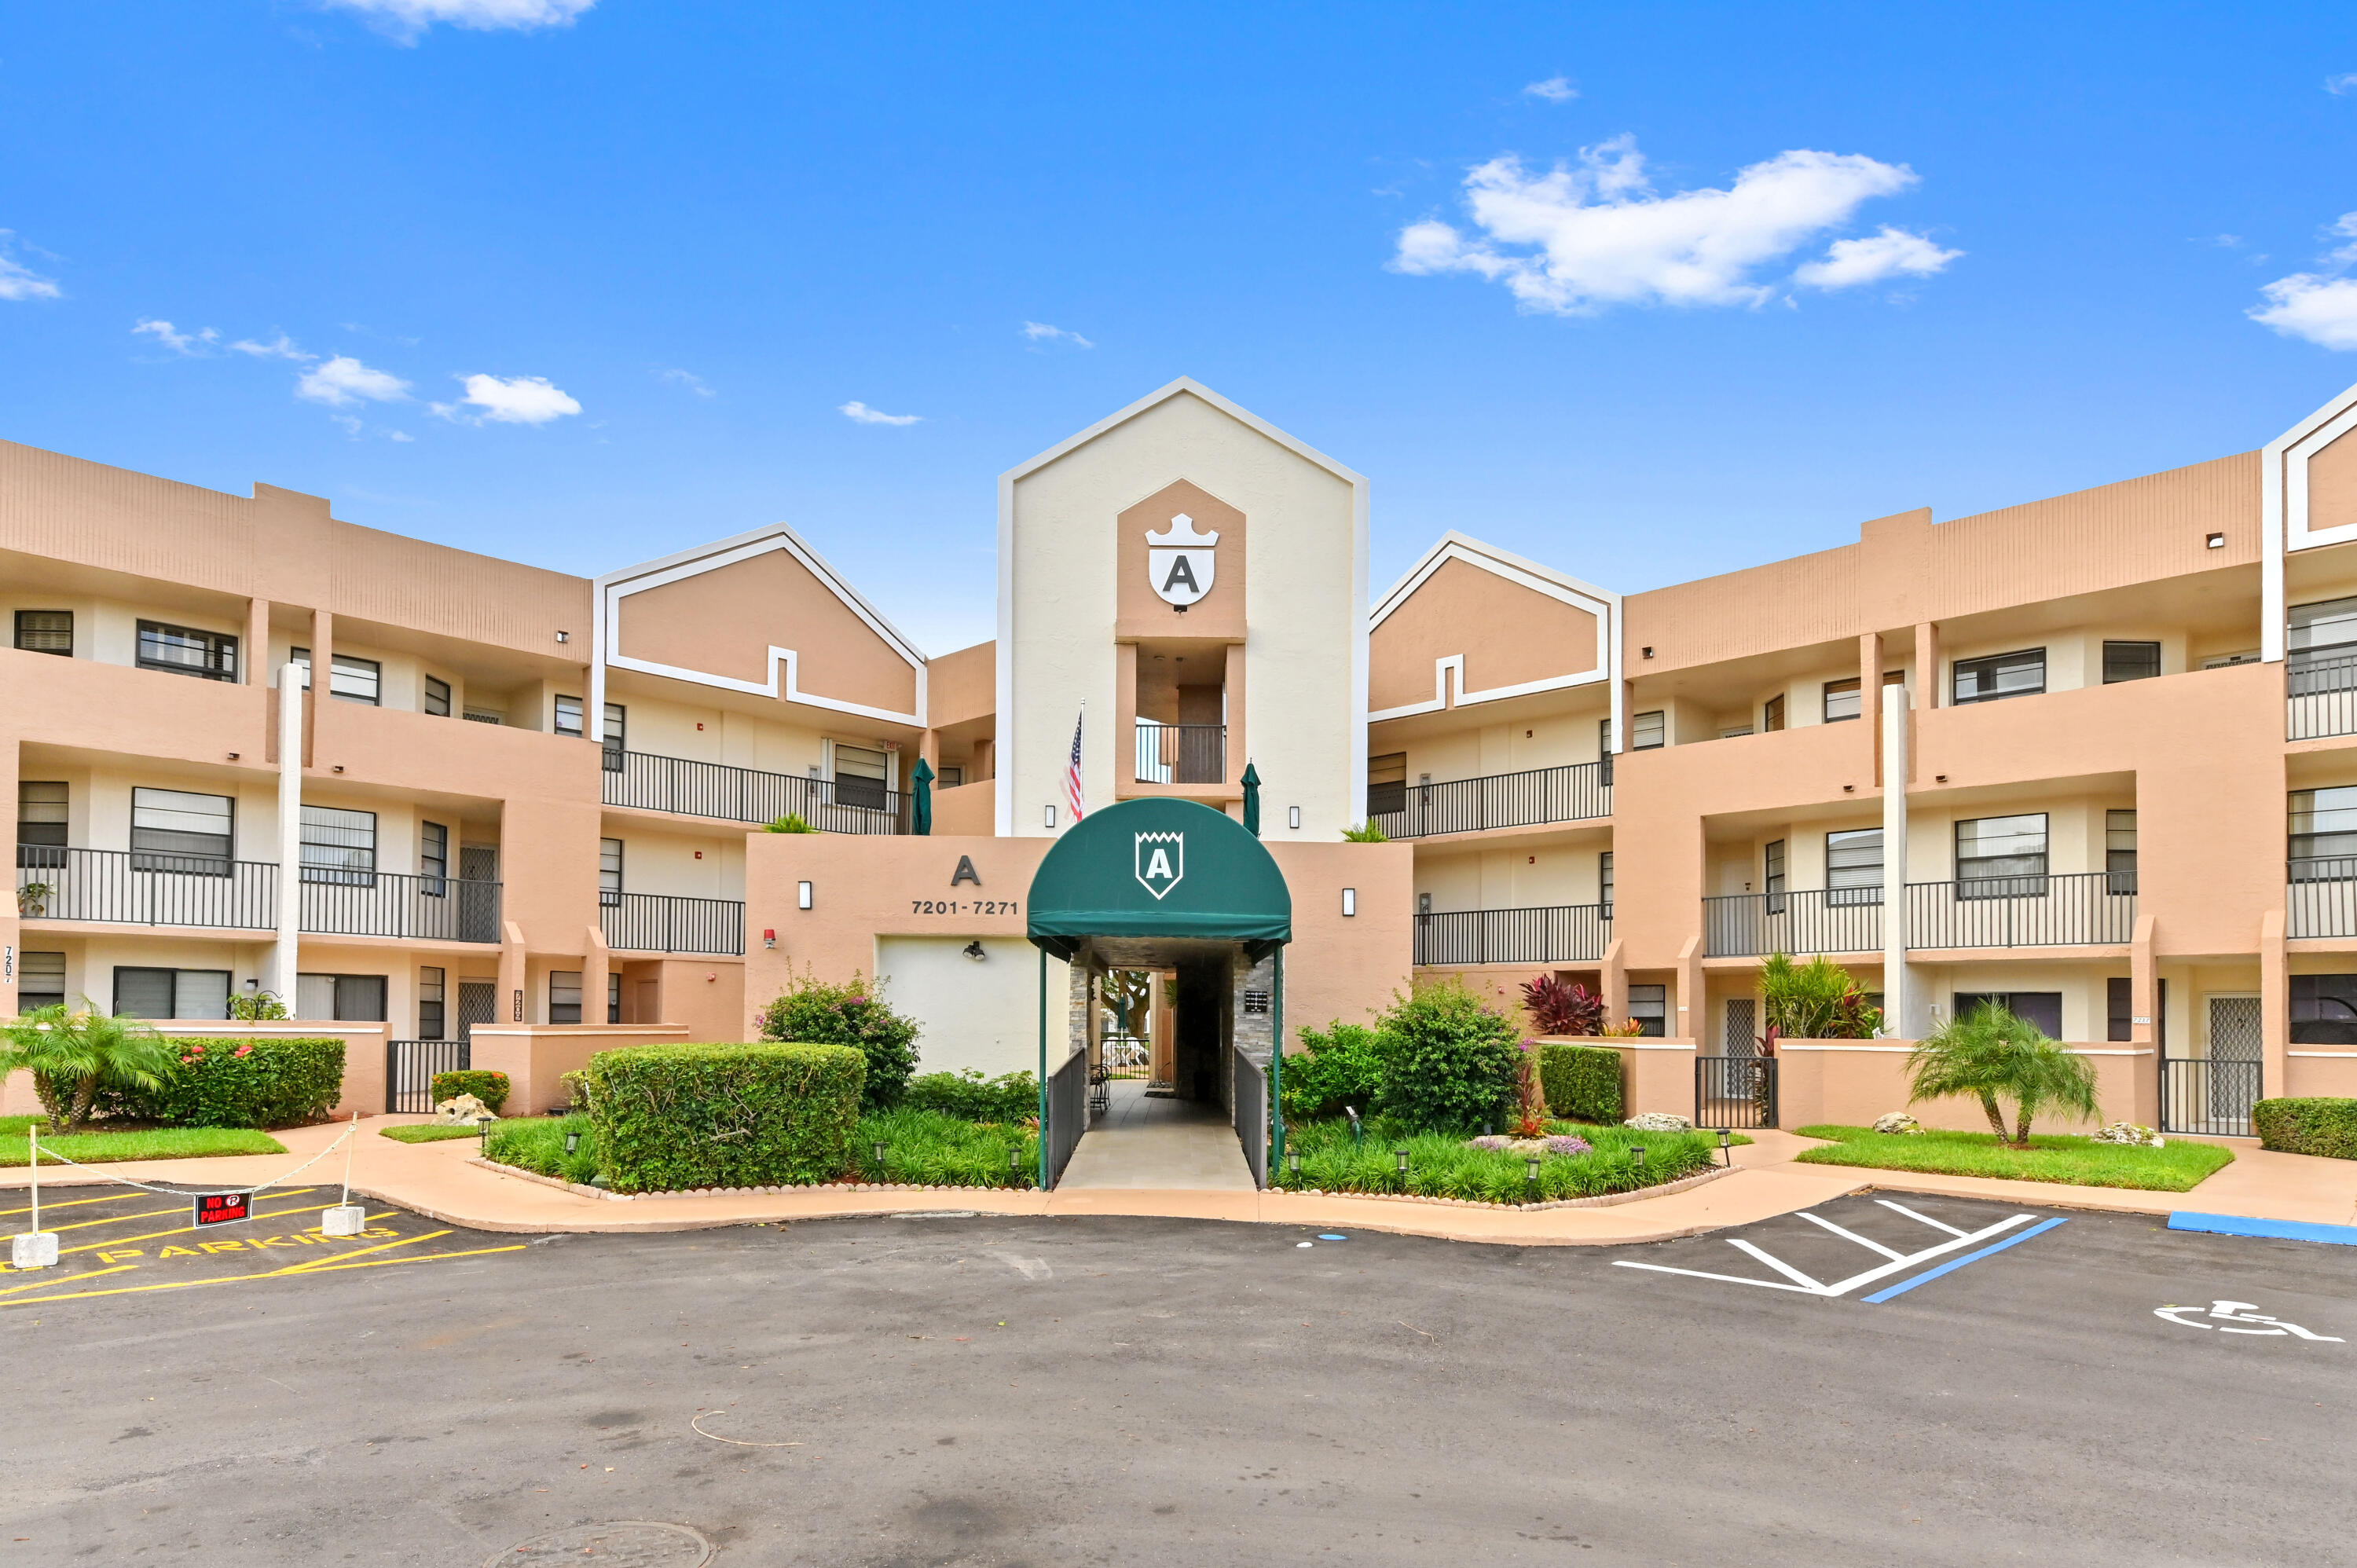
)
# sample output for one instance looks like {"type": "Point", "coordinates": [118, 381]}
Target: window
{"type": "Point", "coordinates": [1387, 783]}
{"type": "Point", "coordinates": [565, 996]}
{"type": "Point", "coordinates": [342, 998]}
{"type": "Point", "coordinates": [613, 997]}
{"type": "Point", "coordinates": [2043, 1008]}
{"type": "Point", "coordinates": [174, 831]}
{"type": "Point", "coordinates": [2119, 1008]}
{"type": "Point", "coordinates": [433, 863]}
{"type": "Point", "coordinates": [2119, 852]}
{"type": "Point", "coordinates": [1999, 675]}
{"type": "Point", "coordinates": [41, 823]}
{"type": "Point", "coordinates": [1772, 882]}
{"type": "Point", "coordinates": [569, 717]}
{"type": "Point", "coordinates": [953, 776]}
{"type": "Point", "coordinates": [2324, 1009]}
{"type": "Point", "coordinates": [1649, 732]}
{"type": "Point", "coordinates": [2001, 858]}
{"type": "Point", "coordinates": [40, 980]}
{"type": "Point", "coordinates": [1650, 1006]}
{"type": "Point", "coordinates": [171, 992]}
{"type": "Point", "coordinates": [431, 1017]}
{"type": "Point", "coordinates": [2130, 661]}
{"type": "Point", "coordinates": [1604, 752]}
{"type": "Point", "coordinates": [2324, 834]}
{"type": "Point", "coordinates": [184, 650]}
{"type": "Point", "coordinates": [1842, 700]}
{"type": "Point", "coordinates": [617, 731]}
{"type": "Point", "coordinates": [1773, 715]}
{"type": "Point", "coordinates": [1604, 882]}
{"type": "Point", "coordinates": [862, 777]}
{"type": "Point", "coordinates": [1853, 866]}
{"type": "Point", "coordinates": [438, 697]}
{"type": "Point", "coordinates": [339, 846]}
{"type": "Point", "coordinates": [350, 680]}
{"type": "Point", "coordinates": [2321, 648]}
{"type": "Point", "coordinates": [609, 873]}
{"type": "Point", "coordinates": [45, 631]}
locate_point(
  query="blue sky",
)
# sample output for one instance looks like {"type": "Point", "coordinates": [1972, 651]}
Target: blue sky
{"type": "Point", "coordinates": [583, 283]}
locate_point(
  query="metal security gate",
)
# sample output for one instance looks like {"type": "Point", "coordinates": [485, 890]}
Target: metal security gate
{"type": "Point", "coordinates": [1737, 1092]}
{"type": "Point", "coordinates": [1248, 1099]}
{"type": "Point", "coordinates": [2207, 1096]}
{"type": "Point", "coordinates": [1067, 1114]}
{"type": "Point", "coordinates": [478, 1003]}
{"type": "Point", "coordinates": [409, 1069]}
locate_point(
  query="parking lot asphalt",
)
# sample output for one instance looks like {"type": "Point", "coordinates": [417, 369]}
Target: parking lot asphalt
{"type": "Point", "coordinates": [975, 1390]}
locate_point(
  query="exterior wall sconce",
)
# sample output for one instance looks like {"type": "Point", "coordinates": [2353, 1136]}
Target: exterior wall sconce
{"type": "Point", "coordinates": [1648, 651]}
{"type": "Point", "coordinates": [339, 768]}
{"type": "Point", "coordinates": [1047, 819]}
{"type": "Point", "coordinates": [564, 637]}
{"type": "Point", "coordinates": [1349, 901]}
{"type": "Point", "coordinates": [2216, 541]}
{"type": "Point", "coordinates": [1293, 817]}
{"type": "Point", "coordinates": [972, 950]}
{"type": "Point", "coordinates": [801, 895]}
{"type": "Point", "coordinates": [769, 939]}
{"type": "Point", "coordinates": [233, 757]}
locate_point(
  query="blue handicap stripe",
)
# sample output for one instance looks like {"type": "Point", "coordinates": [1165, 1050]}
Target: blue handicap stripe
{"type": "Point", "coordinates": [2285, 1230]}
{"type": "Point", "coordinates": [1952, 1264]}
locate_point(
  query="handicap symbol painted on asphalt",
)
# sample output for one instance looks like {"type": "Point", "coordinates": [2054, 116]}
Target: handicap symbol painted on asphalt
{"type": "Point", "coordinates": [2240, 1317]}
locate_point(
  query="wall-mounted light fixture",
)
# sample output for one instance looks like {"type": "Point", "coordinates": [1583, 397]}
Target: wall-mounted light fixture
{"type": "Point", "coordinates": [801, 895]}
{"type": "Point", "coordinates": [564, 637]}
{"type": "Point", "coordinates": [2216, 541]}
{"type": "Point", "coordinates": [1648, 651]}
{"type": "Point", "coordinates": [1047, 819]}
{"type": "Point", "coordinates": [1349, 901]}
{"type": "Point", "coordinates": [233, 757]}
{"type": "Point", "coordinates": [972, 950]}
{"type": "Point", "coordinates": [1293, 816]}
{"type": "Point", "coordinates": [339, 768]}
{"type": "Point", "coordinates": [769, 939]}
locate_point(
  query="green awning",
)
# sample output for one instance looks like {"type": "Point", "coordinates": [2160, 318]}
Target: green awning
{"type": "Point", "coordinates": [1159, 868]}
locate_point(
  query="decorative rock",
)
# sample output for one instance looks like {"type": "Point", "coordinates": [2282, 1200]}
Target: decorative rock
{"type": "Point", "coordinates": [1659, 1122]}
{"type": "Point", "coordinates": [2128, 1132]}
{"type": "Point", "coordinates": [461, 1111]}
{"type": "Point", "coordinates": [1897, 1122]}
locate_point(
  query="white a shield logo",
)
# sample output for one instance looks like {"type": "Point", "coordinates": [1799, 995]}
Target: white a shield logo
{"type": "Point", "coordinates": [1178, 561]}
{"type": "Point", "coordinates": [1161, 861]}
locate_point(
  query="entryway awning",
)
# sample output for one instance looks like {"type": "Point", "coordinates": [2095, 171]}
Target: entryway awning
{"type": "Point", "coordinates": [1159, 868]}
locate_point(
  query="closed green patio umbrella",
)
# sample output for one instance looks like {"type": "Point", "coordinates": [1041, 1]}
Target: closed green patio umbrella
{"type": "Point", "coordinates": [921, 809]}
{"type": "Point", "coordinates": [1251, 799]}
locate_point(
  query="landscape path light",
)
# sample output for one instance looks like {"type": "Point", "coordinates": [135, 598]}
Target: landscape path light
{"type": "Point", "coordinates": [1531, 1167]}
{"type": "Point", "coordinates": [1293, 1163]}
{"type": "Point", "coordinates": [1726, 1146]}
{"type": "Point", "coordinates": [1399, 1158]}
{"type": "Point", "coordinates": [1015, 1167]}
{"type": "Point", "coordinates": [1637, 1154]}
{"type": "Point", "coordinates": [573, 1140]}
{"type": "Point", "coordinates": [484, 1134]}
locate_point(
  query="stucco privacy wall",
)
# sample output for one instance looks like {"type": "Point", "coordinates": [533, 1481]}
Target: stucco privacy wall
{"type": "Point", "coordinates": [1060, 594]}
{"type": "Point", "coordinates": [1508, 634]}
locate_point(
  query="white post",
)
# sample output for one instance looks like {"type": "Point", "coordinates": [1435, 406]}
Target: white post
{"type": "Point", "coordinates": [1896, 1012]}
{"type": "Point", "coordinates": [290, 832]}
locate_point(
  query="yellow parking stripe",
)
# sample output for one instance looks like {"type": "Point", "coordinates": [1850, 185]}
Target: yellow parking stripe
{"type": "Point", "coordinates": [327, 1268]}
{"type": "Point", "coordinates": [308, 1265]}
{"type": "Point", "coordinates": [68, 1279]}
{"type": "Point", "coordinates": [239, 1279]}
{"type": "Point", "coordinates": [116, 1197]}
{"type": "Point", "coordinates": [181, 1229]}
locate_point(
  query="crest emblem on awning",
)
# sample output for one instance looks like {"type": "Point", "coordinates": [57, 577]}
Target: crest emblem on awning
{"type": "Point", "coordinates": [1179, 562]}
{"type": "Point", "coordinates": [1161, 861]}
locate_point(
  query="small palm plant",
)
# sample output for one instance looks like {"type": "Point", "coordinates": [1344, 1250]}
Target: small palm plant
{"type": "Point", "coordinates": [1366, 832]}
{"type": "Point", "coordinates": [1991, 1052]}
{"type": "Point", "coordinates": [81, 1053]}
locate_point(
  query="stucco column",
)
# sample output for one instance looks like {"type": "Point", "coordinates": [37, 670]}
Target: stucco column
{"type": "Point", "coordinates": [596, 960]}
{"type": "Point", "coordinates": [1927, 664]}
{"type": "Point", "coordinates": [1689, 1018]}
{"type": "Point", "coordinates": [1239, 741]}
{"type": "Point", "coordinates": [1899, 1007]}
{"type": "Point", "coordinates": [2144, 1013]}
{"type": "Point", "coordinates": [515, 1007]}
{"type": "Point", "coordinates": [1615, 980]}
{"type": "Point", "coordinates": [257, 642]}
{"type": "Point", "coordinates": [285, 959]}
{"type": "Point", "coordinates": [2275, 1005]}
{"type": "Point", "coordinates": [1869, 698]}
{"type": "Point", "coordinates": [1124, 717]}
{"type": "Point", "coordinates": [12, 946]}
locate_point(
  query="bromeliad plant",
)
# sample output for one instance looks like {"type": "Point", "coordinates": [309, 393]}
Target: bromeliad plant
{"type": "Point", "coordinates": [74, 1056]}
{"type": "Point", "coordinates": [1818, 1000]}
{"type": "Point", "coordinates": [1558, 1008]}
{"type": "Point", "coordinates": [1991, 1052]}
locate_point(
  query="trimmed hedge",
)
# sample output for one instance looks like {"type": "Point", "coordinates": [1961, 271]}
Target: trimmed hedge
{"type": "Point", "coordinates": [970, 1097]}
{"type": "Point", "coordinates": [490, 1086]}
{"type": "Point", "coordinates": [237, 1083]}
{"type": "Point", "coordinates": [2326, 1127]}
{"type": "Point", "coordinates": [670, 1117]}
{"type": "Point", "coordinates": [1582, 1083]}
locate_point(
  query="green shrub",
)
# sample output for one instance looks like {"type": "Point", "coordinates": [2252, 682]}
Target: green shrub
{"type": "Point", "coordinates": [814, 1012]}
{"type": "Point", "coordinates": [2326, 1127]}
{"type": "Point", "coordinates": [1337, 1066]}
{"type": "Point", "coordinates": [1370, 832]}
{"type": "Point", "coordinates": [1444, 1166]}
{"type": "Point", "coordinates": [237, 1083]}
{"type": "Point", "coordinates": [490, 1086]}
{"type": "Point", "coordinates": [674, 1117]}
{"type": "Point", "coordinates": [1818, 1000]}
{"type": "Point", "coordinates": [1448, 1060]}
{"type": "Point", "coordinates": [970, 1097]}
{"type": "Point", "coordinates": [537, 1144]}
{"type": "Point", "coordinates": [1582, 1083]}
{"type": "Point", "coordinates": [791, 823]}
{"type": "Point", "coordinates": [927, 1148]}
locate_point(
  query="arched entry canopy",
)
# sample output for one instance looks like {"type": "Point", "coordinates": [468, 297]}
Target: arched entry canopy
{"type": "Point", "coordinates": [1159, 868]}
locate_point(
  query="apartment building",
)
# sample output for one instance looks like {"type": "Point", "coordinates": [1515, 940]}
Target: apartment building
{"type": "Point", "coordinates": [2096, 755]}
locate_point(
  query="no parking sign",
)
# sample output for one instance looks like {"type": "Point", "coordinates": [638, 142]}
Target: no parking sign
{"type": "Point", "coordinates": [221, 1208]}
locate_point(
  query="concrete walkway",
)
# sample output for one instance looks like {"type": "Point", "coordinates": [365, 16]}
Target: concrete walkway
{"type": "Point", "coordinates": [1173, 1146]}
{"type": "Point", "coordinates": [444, 1181]}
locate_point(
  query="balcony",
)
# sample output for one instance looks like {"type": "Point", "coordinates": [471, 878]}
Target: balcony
{"type": "Point", "coordinates": [657, 922]}
{"type": "Point", "coordinates": [1181, 753]}
{"type": "Point", "coordinates": [146, 887]}
{"type": "Point", "coordinates": [2321, 896]}
{"type": "Point", "coordinates": [1558, 933]}
{"type": "Point", "coordinates": [647, 783]}
{"type": "Point", "coordinates": [1576, 792]}
{"type": "Point", "coordinates": [2079, 909]}
{"type": "Point", "coordinates": [2320, 698]}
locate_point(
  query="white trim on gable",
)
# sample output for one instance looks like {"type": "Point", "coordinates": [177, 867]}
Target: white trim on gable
{"type": "Point", "coordinates": [1601, 602]}
{"type": "Point", "coordinates": [783, 683]}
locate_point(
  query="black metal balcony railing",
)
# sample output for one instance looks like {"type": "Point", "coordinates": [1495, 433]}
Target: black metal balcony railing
{"type": "Point", "coordinates": [1181, 753]}
{"type": "Point", "coordinates": [2321, 896]}
{"type": "Point", "coordinates": [391, 904]}
{"type": "Point", "coordinates": [149, 888]}
{"type": "Point", "coordinates": [1575, 793]}
{"type": "Point", "coordinates": [2320, 698]}
{"type": "Point", "coordinates": [1842, 919]}
{"type": "Point", "coordinates": [748, 795]}
{"type": "Point", "coordinates": [1558, 933]}
{"type": "Point", "coordinates": [658, 922]}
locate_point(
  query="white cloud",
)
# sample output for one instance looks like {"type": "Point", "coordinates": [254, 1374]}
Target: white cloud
{"type": "Point", "coordinates": [178, 342]}
{"type": "Point", "coordinates": [2342, 85]}
{"type": "Point", "coordinates": [1575, 241]}
{"type": "Point", "coordinates": [514, 399]}
{"type": "Point", "coordinates": [406, 19]}
{"type": "Point", "coordinates": [350, 422]}
{"type": "Point", "coordinates": [1850, 263]}
{"type": "Point", "coordinates": [1040, 332]}
{"type": "Point", "coordinates": [1554, 89]}
{"type": "Point", "coordinates": [399, 435]}
{"type": "Point", "coordinates": [861, 414]}
{"type": "Point", "coordinates": [2320, 306]}
{"type": "Point", "coordinates": [19, 281]}
{"type": "Point", "coordinates": [688, 378]}
{"type": "Point", "coordinates": [343, 381]}
{"type": "Point", "coordinates": [279, 348]}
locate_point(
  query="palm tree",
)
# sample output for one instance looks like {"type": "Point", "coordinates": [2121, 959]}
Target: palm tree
{"type": "Point", "coordinates": [85, 1051]}
{"type": "Point", "coordinates": [1990, 1052]}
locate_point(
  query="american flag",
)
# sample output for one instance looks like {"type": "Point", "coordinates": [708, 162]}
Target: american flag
{"type": "Point", "coordinates": [1073, 789]}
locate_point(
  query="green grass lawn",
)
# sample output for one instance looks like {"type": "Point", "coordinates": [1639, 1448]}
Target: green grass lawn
{"type": "Point", "coordinates": [146, 1143]}
{"type": "Point", "coordinates": [2082, 1161]}
{"type": "Point", "coordinates": [1440, 1166]}
{"type": "Point", "coordinates": [425, 1132]}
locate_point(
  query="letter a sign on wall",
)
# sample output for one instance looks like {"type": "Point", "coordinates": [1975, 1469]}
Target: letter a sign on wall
{"type": "Point", "coordinates": [1161, 861]}
{"type": "Point", "coordinates": [1178, 562]}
